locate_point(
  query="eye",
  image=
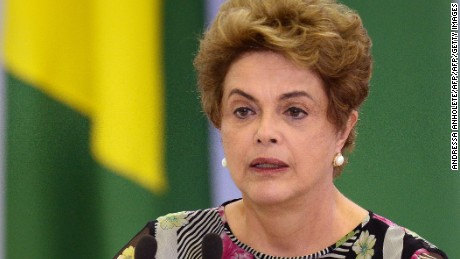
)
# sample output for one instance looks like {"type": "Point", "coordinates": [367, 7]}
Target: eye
{"type": "Point", "coordinates": [296, 113]}
{"type": "Point", "coordinates": [243, 112]}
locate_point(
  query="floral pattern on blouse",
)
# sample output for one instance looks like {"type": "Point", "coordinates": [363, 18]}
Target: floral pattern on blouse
{"type": "Point", "coordinates": [173, 220]}
{"type": "Point", "coordinates": [417, 236]}
{"type": "Point", "coordinates": [364, 246]}
{"type": "Point", "coordinates": [385, 220]}
{"type": "Point", "coordinates": [231, 251]}
{"type": "Point", "coordinates": [183, 233]}
{"type": "Point", "coordinates": [128, 253]}
{"type": "Point", "coordinates": [345, 238]}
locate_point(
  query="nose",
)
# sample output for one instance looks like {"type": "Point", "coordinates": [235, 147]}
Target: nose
{"type": "Point", "coordinates": [272, 140]}
{"type": "Point", "coordinates": [267, 131]}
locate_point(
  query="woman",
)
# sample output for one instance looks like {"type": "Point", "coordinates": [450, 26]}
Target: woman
{"type": "Point", "coordinates": [283, 81]}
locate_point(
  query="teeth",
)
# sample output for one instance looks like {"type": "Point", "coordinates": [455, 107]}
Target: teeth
{"type": "Point", "coordinates": [267, 166]}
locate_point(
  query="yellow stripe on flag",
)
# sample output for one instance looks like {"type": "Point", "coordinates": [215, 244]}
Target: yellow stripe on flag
{"type": "Point", "coordinates": [104, 59]}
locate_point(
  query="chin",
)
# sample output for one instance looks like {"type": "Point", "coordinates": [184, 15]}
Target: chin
{"type": "Point", "coordinates": [269, 195]}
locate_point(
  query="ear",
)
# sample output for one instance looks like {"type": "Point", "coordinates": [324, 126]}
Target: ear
{"type": "Point", "coordinates": [343, 133]}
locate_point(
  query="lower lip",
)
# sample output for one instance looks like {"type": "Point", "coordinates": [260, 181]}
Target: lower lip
{"type": "Point", "coordinates": [269, 170]}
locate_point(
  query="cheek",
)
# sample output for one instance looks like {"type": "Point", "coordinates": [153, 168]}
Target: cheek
{"type": "Point", "coordinates": [315, 145]}
{"type": "Point", "coordinates": [236, 143]}
{"type": "Point", "coordinates": [229, 139]}
{"type": "Point", "coordinates": [234, 154]}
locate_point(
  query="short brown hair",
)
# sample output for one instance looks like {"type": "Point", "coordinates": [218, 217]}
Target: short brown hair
{"type": "Point", "coordinates": [321, 35]}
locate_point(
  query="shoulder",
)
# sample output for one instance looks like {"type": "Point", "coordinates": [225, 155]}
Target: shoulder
{"type": "Point", "coordinates": [186, 219]}
{"type": "Point", "coordinates": [213, 218]}
{"type": "Point", "coordinates": [179, 234]}
{"type": "Point", "coordinates": [399, 241]}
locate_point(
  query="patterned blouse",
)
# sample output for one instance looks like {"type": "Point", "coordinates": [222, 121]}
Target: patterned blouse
{"type": "Point", "coordinates": [179, 235]}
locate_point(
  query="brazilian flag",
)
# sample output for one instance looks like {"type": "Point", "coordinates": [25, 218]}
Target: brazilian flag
{"type": "Point", "coordinates": [104, 129]}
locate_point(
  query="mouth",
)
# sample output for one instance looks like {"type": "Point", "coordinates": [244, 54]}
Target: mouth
{"type": "Point", "coordinates": [268, 164]}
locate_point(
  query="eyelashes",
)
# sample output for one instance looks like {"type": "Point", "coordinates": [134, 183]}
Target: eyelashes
{"type": "Point", "coordinates": [296, 112]}
{"type": "Point", "coordinates": [243, 112]}
{"type": "Point", "coordinates": [293, 112]}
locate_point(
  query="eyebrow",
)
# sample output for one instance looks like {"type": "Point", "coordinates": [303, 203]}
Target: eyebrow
{"type": "Point", "coordinates": [295, 94]}
{"type": "Point", "coordinates": [284, 96]}
{"type": "Point", "coordinates": [242, 93]}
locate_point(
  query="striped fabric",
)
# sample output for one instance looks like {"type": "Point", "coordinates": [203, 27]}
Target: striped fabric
{"type": "Point", "coordinates": [188, 239]}
{"type": "Point", "coordinates": [179, 235]}
{"type": "Point", "coordinates": [393, 243]}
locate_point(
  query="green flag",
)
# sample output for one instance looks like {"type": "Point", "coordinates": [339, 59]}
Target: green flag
{"type": "Point", "coordinates": [103, 126]}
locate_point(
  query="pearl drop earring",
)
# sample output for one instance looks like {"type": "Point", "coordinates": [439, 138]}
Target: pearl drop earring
{"type": "Point", "coordinates": [338, 160]}
{"type": "Point", "coordinates": [224, 162]}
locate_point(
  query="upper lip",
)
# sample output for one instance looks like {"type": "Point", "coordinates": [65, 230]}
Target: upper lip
{"type": "Point", "coordinates": [267, 161]}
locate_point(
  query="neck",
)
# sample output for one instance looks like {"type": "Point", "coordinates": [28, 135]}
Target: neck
{"type": "Point", "coordinates": [299, 227]}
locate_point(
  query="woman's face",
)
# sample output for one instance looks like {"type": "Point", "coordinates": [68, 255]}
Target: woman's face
{"type": "Point", "coordinates": [277, 140]}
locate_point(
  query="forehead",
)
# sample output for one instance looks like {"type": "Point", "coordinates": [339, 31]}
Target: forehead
{"type": "Point", "coordinates": [270, 72]}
